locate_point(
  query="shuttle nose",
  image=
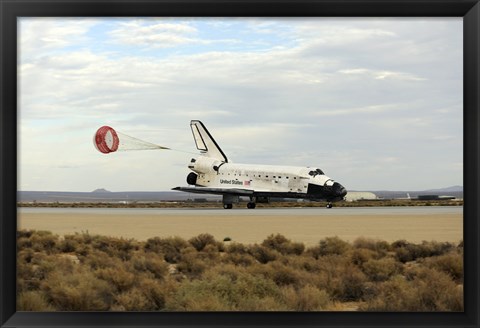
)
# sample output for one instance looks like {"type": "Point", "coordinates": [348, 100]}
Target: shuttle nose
{"type": "Point", "coordinates": [338, 190]}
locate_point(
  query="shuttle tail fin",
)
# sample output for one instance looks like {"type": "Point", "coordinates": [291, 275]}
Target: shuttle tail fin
{"type": "Point", "coordinates": [205, 142]}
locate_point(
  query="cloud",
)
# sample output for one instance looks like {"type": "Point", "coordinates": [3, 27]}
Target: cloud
{"type": "Point", "coordinates": [381, 75]}
{"type": "Point", "coordinates": [41, 36]}
{"type": "Point", "coordinates": [334, 92]}
{"type": "Point", "coordinates": [153, 33]}
{"type": "Point", "coordinates": [373, 109]}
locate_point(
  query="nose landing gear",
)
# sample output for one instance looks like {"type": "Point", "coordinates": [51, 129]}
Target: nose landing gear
{"type": "Point", "coordinates": [329, 205]}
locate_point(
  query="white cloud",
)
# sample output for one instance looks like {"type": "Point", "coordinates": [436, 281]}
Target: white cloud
{"type": "Point", "coordinates": [337, 34]}
{"type": "Point", "coordinates": [153, 33]}
{"type": "Point", "coordinates": [334, 93]}
{"type": "Point", "coordinates": [381, 75]}
{"type": "Point", "coordinates": [40, 36]}
{"type": "Point", "coordinates": [373, 109]}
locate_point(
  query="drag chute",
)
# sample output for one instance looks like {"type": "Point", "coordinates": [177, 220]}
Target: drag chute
{"type": "Point", "coordinates": [107, 140]}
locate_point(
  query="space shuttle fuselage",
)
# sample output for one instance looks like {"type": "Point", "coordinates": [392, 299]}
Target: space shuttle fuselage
{"type": "Point", "coordinates": [213, 173]}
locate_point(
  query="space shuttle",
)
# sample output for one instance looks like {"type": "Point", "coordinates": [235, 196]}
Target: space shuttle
{"type": "Point", "coordinates": [213, 173]}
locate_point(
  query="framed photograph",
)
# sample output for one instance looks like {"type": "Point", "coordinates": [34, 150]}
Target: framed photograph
{"type": "Point", "coordinates": [172, 163]}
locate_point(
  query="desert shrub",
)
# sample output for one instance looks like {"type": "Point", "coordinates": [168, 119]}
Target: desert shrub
{"type": "Point", "coordinates": [267, 303]}
{"type": "Point", "coordinates": [210, 252]}
{"type": "Point", "coordinates": [393, 295]}
{"type": "Point", "coordinates": [25, 234]}
{"type": "Point", "coordinates": [192, 265]}
{"type": "Point", "coordinates": [239, 259]}
{"type": "Point", "coordinates": [118, 277]}
{"type": "Point", "coordinates": [404, 255]}
{"type": "Point", "coordinates": [219, 292]}
{"type": "Point", "coordinates": [401, 243]}
{"type": "Point", "coordinates": [228, 270]}
{"type": "Point", "coordinates": [25, 255]}
{"type": "Point", "coordinates": [406, 252]}
{"type": "Point", "coordinates": [236, 248]}
{"type": "Point", "coordinates": [263, 254]}
{"type": "Point", "coordinates": [152, 263]}
{"type": "Point", "coordinates": [132, 300]}
{"type": "Point", "coordinates": [24, 242]}
{"type": "Point", "coordinates": [430, 290]}
{"type": "Point", "coordinates": [307, 298]}
{"type": "Point", "coordinates": [171, 247]}
{"type": "Point", "coordinates": [302, 263]}
{"type": "Point", "coordinates": [283, 275]}
{"type": "Point", "coordinates": [99, 260]}
{"type": "Point", "coordinates": [381, 270]}
{"type": "Point", "coordinates": [201, 241]}
{"type": "Point", "coordinates": [158, 293]}
{"type": "Point", "coordinates": [26, 279]}
{"type": "Point", "coordinates": [437, 291]}
{"type": "Point", "coordinates": [361, 255]}
{"type": "Point", "coordinates": [33, 301]}
{"type": "Point", "coordinates": [283, 245]}
{"type": "Point", "coordinates": [196, 298]}
{"type": "Point", "coordinates": [379, 246]}
{"type": "Point", "coordinates": [78, 291]}
{"type": "Point", "coordinates": [116, 247]}
{"type": "Point", "coordinates": [434, 248]}
{"type": "Point", "coordinates": [29, 277]}
{"type": "Point", "coordinates": [44, 241]}
{"type": "Point", "coordinates": [68, 245]}
{"type": "Point", "coordinates": [147, 295]}
{"type": "Point", "coordinates": [330, 246]}
{"type": "Point", "coordinates": [277, 275]}
{"type": "Point", "coordinates": [78, 243]}
{"type": "Point", "coordinates": [451, 264]}
{"type": "Point", "coordinates": [350, 284]}
{"type": "Point", "coordinates": [341, 279]}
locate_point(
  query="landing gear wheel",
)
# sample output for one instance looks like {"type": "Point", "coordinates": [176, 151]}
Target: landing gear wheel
{"type": "Point", "coordinates": [251, 205]}
{"type": "Point", "coordinates": [329, 205]}
{"type": "Point", "coordinates": [227, 206]}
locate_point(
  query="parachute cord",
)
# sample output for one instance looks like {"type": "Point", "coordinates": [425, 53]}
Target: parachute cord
{"type": "Point", "coordinates": [183, 151]}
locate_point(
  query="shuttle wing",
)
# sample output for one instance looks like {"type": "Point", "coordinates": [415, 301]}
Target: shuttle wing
{"type": "Point", "coordinates": [234, 191]}
{"type": "Point", "coordinates": [216, 191]}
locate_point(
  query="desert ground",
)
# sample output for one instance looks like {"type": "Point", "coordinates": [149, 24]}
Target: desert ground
{"type": "Point", "coordinates": [443, 225]}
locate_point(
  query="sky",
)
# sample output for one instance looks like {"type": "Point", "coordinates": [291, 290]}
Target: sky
{"type": "Point", "coordinates": [376, 103]}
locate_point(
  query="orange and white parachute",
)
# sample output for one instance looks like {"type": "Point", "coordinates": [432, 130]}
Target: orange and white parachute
{"type": "Point", "coordinates": [107, 140]}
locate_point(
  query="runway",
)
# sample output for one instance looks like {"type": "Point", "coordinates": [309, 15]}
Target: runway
{"type": "Point", "coordinates": [307, 225]}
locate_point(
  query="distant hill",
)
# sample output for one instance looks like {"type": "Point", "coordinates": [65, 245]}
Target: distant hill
{"type": "Point", "coordinates": [100, 195]}
{"type": "Point", "coordinates": [103, 195]}
{"type": "Point", "coordinates": [101, 190]}
{"type": "Point", "coordinates": [448, 189]}
{"type": "Point", "coordinates": [456, 191]}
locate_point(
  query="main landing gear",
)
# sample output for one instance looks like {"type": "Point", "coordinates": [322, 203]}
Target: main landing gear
{"type": "Point", "coordinates": [329, 205]}
{"type": "Point", "coordinates": [249, 205]}
{"type": "Point", "coordinates": [227, 203]}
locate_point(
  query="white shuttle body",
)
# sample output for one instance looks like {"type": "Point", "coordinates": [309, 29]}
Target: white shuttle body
{"type": "Point", "coordinates": [213, 173]}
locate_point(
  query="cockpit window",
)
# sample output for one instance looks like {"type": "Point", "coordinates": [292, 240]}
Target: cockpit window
{"type": "Point", "coordinates": [316, 172]}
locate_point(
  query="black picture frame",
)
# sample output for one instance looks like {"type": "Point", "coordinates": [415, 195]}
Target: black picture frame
{"type": "Point", "coordinates": [11, 10]}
